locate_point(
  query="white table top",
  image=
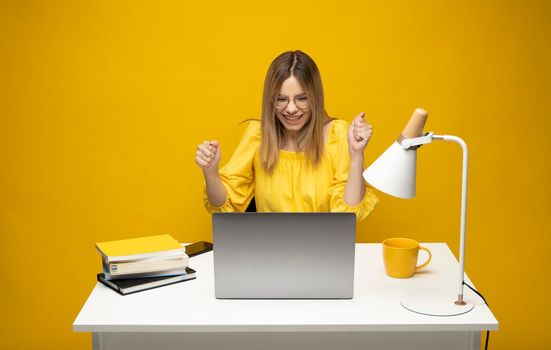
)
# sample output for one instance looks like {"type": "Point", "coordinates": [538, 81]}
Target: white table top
{"type": "Point", "coordinates": [191, 306]}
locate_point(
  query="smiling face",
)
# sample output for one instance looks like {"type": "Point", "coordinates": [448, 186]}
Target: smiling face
{"type": "Point", "coordinates": [292, 81]}
{"type": "Point", "coordinates": [292, 117]}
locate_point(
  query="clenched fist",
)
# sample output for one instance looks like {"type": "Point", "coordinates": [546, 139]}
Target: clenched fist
{"type": "Point", "coordinates": [208, 156]}
{"type": "Point", "coordinates": [359, 134]}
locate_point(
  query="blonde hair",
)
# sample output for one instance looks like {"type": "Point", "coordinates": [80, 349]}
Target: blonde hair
{"type": "Point", "coordinates": [304, 69]}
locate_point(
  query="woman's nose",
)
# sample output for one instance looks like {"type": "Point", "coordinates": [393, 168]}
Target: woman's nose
{"type": "Point", "coordinates": [291, 107]}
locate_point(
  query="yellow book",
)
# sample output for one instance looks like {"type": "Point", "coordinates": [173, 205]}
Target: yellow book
{"type": "Point", "coordinates": [139, 248]}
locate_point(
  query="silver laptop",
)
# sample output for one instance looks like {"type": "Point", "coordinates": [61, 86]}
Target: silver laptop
{"type": "Point", "coordinates": [284, 255]}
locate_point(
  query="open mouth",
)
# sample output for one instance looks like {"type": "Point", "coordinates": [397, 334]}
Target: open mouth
{"type": "Point", "coordinates": [292, 119]}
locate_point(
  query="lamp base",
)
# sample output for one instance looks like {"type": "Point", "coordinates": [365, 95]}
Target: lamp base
{"type": "Point", "coordinates": [435, 305]}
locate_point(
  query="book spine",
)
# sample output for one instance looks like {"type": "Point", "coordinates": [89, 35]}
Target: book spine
{"type": "Point", "coordinates": [106, 282]}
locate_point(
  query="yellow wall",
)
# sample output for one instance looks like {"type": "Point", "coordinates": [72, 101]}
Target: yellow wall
{"type": "Point", "coordinates": [103, 103]}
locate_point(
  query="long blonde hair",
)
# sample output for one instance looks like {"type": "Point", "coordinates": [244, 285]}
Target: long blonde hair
{"type": "Point", "coordinates": [304, 69]}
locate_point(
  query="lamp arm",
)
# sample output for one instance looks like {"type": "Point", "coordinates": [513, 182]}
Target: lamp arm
{"type": "Point", "coordinates": [416, 142]}
{"type": "Point", "coordinates": [463, 212]}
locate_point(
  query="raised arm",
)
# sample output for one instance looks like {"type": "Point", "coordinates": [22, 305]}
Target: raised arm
{"type": "Point", "coordinates": [232, 187]}
{"type": "Point", "coordinates": [208, 159]}
{"type": "Point", "coordinates": [359, 134]}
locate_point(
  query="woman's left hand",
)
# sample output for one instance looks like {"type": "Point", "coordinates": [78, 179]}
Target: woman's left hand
{"type": "Point", "coordinates": [358, 135]}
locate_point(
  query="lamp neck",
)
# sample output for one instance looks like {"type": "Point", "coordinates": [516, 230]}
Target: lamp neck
{"type": "Point", "coordinates": [463, 227]}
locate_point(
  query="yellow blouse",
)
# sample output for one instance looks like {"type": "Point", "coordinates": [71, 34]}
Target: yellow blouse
{"type": "Point", "coordinates": [293, 186]}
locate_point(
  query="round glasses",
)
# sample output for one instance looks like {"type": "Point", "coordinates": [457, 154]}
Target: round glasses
{"type": "Point", "coordinates": [300, 101]}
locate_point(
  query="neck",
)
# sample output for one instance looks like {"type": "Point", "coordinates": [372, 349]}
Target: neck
{"type": "Point", "coordinates": [291, 141]}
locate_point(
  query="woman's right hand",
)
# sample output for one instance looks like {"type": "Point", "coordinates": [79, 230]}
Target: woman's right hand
{"type": "Point", "coordinates": [208, 156]}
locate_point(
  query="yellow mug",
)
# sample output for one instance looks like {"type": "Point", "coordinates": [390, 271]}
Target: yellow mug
{"type": "Point", "coordinates": [400, 257]}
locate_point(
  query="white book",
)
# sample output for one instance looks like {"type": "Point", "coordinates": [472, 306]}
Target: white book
{"type": "Point", "coordinates": [147, 265]}
{"type": "Point", "coordinates": [162, 256]}
{"type": "Point", "coordinates": [172, 272]}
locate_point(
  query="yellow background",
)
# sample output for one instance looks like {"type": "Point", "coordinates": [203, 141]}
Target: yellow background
{"type": "Point", "coordinates": [102, 104]}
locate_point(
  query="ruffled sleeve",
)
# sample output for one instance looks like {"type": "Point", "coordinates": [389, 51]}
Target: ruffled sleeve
{"type": "Point", "coordinates": [337, 146]}
{"type": "Point", "coordinates": [238, 174]}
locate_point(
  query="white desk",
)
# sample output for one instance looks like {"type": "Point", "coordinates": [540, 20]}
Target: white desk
{"type": "Point", "coordinates": [188, 316]}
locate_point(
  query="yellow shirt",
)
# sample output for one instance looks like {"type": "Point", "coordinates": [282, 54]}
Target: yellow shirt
{"type": "Point", "coordinates": [293, 186]}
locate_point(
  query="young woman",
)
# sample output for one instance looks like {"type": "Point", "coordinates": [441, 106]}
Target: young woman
{"type": "Point", "coordinates": [296, 158]}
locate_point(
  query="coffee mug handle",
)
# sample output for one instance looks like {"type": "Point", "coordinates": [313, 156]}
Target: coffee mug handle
{"type": "Point", "coordinates": [426, 262]}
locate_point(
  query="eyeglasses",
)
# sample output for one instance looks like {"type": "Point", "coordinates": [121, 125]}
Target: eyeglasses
{"type": "Point", "coordinates": [300, 101]}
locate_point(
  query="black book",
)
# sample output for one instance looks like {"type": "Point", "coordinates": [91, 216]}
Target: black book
{"type": "Point", "coordinates": [133, 285]}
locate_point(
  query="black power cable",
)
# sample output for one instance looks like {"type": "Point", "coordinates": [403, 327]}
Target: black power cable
{"type": "Point", "coordinates": [485, 302]}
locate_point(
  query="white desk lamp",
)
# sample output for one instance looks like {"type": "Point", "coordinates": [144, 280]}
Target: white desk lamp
{"type": "Point", "coordinates": [394, 173]}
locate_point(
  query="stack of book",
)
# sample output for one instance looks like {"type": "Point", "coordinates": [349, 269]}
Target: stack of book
{"type": "Point", "coordinates": [133, 265]}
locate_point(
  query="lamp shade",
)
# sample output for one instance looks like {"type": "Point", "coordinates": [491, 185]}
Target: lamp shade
{"type": "Point", "coordinates": [394, 172]}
